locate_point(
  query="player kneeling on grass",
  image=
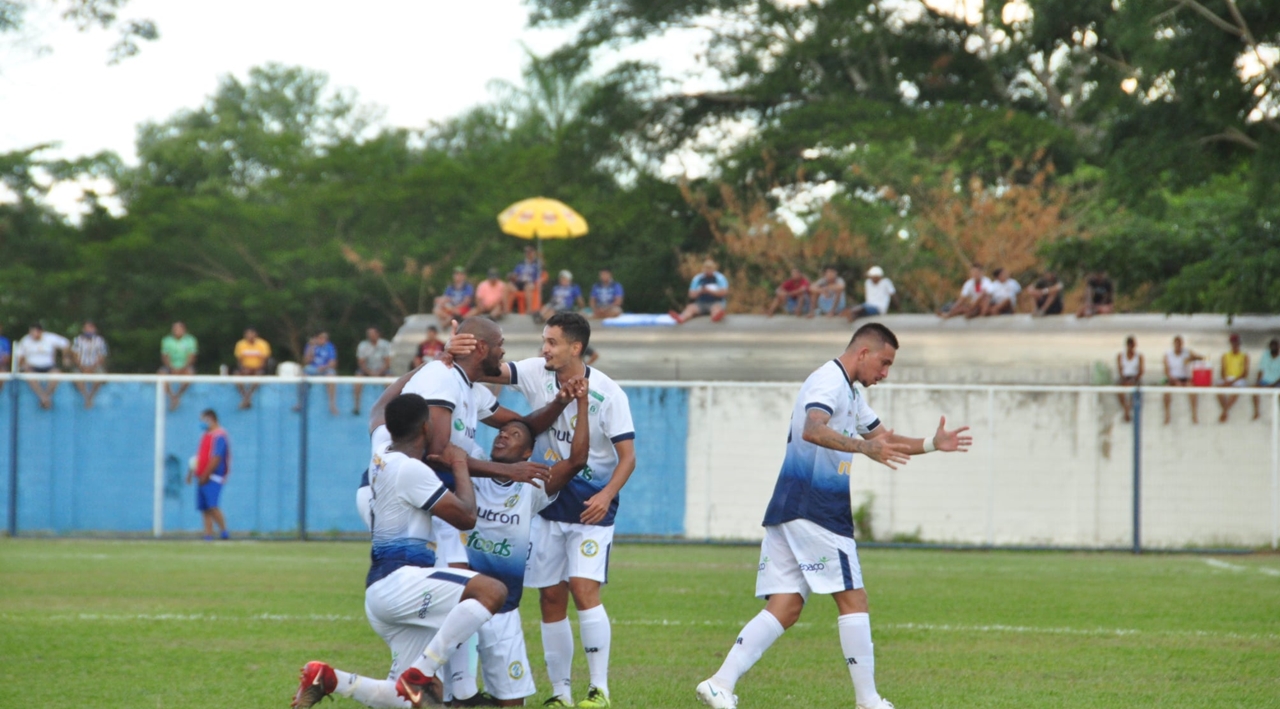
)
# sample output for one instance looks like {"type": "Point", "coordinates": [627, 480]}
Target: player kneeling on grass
{"type": "Point", "coordinates": [808, 527]}
{"type": "Point", "coordinates": [422, 613]}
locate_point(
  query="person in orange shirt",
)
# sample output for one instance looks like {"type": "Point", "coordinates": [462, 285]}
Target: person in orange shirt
{"type": "Point", "coordinates": [252, 354]}
{"type": "Point", "coordinates": [491, 296]}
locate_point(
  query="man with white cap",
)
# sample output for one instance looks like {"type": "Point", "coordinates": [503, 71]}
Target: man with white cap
{"type": "Point", "coordinates": [879, 291]}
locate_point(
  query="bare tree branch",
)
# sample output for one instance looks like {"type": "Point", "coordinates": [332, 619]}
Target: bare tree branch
{"type": "Point", "coordinates": [1231, 135]}
{"type": "Point", "coordinates": [1210, 16]}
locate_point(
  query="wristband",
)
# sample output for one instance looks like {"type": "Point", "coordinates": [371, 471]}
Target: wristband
{"type": "Point", "coordinates": [930, 445]}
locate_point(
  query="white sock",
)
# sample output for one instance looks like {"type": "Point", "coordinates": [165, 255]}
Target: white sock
{"type": "Point", "coordinates": [368, 691]}
{"type": "Point", "coordinates": [461, 623]}
{"type": "Point", "coordinates": [557, 649]}
{"type": "Point", "coordinates": [859, 655]}
{"type": "Point", "coordinates": [597, 636]}
{"type": "Point", "coordinates": [461, 680]}
{"type": "Point", "coordinates": [755, 638]}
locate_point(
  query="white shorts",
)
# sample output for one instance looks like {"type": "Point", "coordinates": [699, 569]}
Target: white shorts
{"type": "Point", "coordinates": [407, 607]}
{"type": "Point", "coordinates": [449, 546]}
{"type": "Point", "coordinates": [564, 550]}
{"type": "Point", "coordinates": [802, 557]}
{"type": "Point", "coordinates": [504, 662]}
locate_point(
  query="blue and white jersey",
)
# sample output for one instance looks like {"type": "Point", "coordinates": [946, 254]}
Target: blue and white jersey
{"type": "Point", "coordinates": [449, 388]}
{"type": "Point", "coordinates": [499, 545]}
{"type": "Point", "coordinates": [610, 424]}
{"type": "Point", "coordinates": [402, 492]}
{"type": "Point", "coordinates": [814, 481]}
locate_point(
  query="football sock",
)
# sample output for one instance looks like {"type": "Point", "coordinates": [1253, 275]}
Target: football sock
{"type": "Point", "coordinates": [755, 638]}
{"type": "Point", "coordinates": [461, 682]}
{"type": "Point", "coordinates": [461, 623]}
{"type": "Point", "coordinates": [557, 644]}
{"type": "Point", "coordinates": [369, 692]}
{"type": "Point", "coordinates": [597, 635]}
{"type": "Point", "coordinates": [859, 655]}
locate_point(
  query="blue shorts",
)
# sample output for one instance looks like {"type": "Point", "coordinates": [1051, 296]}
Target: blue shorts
{"type": "Point", "coordinates": [797, 304]}
{"type": "Point", "coordinates": [207, 496]}
{"type": "Point", "coordinates": [869, 309]}
{"type": "Point", "coordinates": [830, 304]}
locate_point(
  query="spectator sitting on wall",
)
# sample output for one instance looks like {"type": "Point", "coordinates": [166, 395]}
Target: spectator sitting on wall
{"type": "Point", "coordinates": [606, 296]}
{"type": "Point", "coordinates": [525, 278]}
{"type": "Point", "coordinates": [89, 356]}
{"type": "Point", "coordinates": [1004, 295]}
{"type": "Point", "coordinates": [1235, 373]}
{"type": "Point", "coordinates": [1177, 372]}
{"type": "Point", "coordinates": [973, 296]}
{"type": "Point", "coordinates": [178, 352]}
{"type": "Point", "coordinates": [792, 296]}
{"type": "Point", "coordinates": [210, 468]}
{"type": "Point", "coordinates": [1047, 293]}
{"type": "Point", "coordinates": [878, 293]}
{"type": "Point", "coordinates": [828, 294]}
{"type": "Point", "coordinates": [430, 348]}
{"type": "Point", "coordinates": [566, 297]}
{"type": "Point", "coordinates": [38, 353]}
{"type": "Point", "coordinates": [1131, 366]}
{"type": "Point", "coordinates": [6, 355]}
{"type": "Point", "coordinates": [320, 359]}
{"type": "Point", "coordinates": [491, 297]}
{"type": "Point", "coordinates": [373, 359]}
{"type": "Point", "coordinates": [1099, 297]}
{"type": "Point", "coordinates": [457, 300]}
{"type": "Point", "coordinates": [252, 354]}
{"type": "Point", "coordinates": [1268, 372]}
{"type": "Point", "coordinates": [708, 295]}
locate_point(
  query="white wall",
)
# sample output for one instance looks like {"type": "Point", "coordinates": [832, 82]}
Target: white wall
{"type": "Point", "coordinates": [1046, 468]}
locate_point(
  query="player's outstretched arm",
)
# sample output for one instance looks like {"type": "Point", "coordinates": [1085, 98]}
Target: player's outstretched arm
{"type": "Point", "coordinates": [458, 507]}
{"type": "Point", "coordinates": [878, 445]}
{"type": "Point", "coordinates": [580, 450]}
{"type": "Point", "coordinates": [943, 440]}
{"type": "Point", "coordinates": [598, 505]}
{"type": "Point", "coordinates": [378, 414]}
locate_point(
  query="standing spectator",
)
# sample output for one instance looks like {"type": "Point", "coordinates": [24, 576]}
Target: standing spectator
{"type": "Point", "coordinates": [37, 353]}
{"type": "Point", "coordinates": [1268, 372]}
{"type": "Point", "coordinates": [252, 354]}
{"type": "Point", "coordinates": [878, 293]}
{"type": "Point", "coordinates": [430, 348]}
{"type": "Point", "coordinates": [828, 294]}
{"type": "Point", "coordinates": [320, 359]}
{"type": "Point", "coordinates": [606, 296]}
{"type": "Point", "coordinates": [1235, 373]}
{"type": "Point", "coordinates": [1099, 297]}
{"type": "Point", "coordinates": [525, 280]}
{"type": "Point", "coordinates": [491, 297]}
{"type": "Point", "coordinates": [6, 355]}
{"type": "Point", "coordinates": [212, 465]}
{"type": "Point", "coordinates": [1177, 372]}
{"type": "Point", "coordinates": [1004, 295]}
{"type": "Point", "coordinates": [566, 297]}
{"type": "Point", "coordinates": [457, 300]}
{"type": "Point", "coordinates": [792, 296]}
{"type": "Point", "coordinates": [89, 356]}
{"type": "Point", "coordinates": [1047, 293]}
{"type": "Point", "coordinates": [1131, 365]}
{"type": "Point", "coordinates": [973, 296]}
{"type": "Point", "coordinates": [373, 359]}
{"type": "Point", "coordinates": [178, 352]}
{"type": "Point", "coordinates": [708, 295]}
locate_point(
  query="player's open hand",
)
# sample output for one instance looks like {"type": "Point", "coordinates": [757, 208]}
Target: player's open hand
{"type": "Point", "coordinates": [528, 472]}
{"type": "Point", "coordinates": [884, 450]}
{"type": "Point", "coordinates": [596, 508]}
{"type": "Point", "coordinates": [457, 346]}
{"type": "Point", "coordinates": [951, 441]}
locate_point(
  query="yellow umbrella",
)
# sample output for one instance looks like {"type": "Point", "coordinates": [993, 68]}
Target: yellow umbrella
{"type": "Point", "coordinates": [542, 218]}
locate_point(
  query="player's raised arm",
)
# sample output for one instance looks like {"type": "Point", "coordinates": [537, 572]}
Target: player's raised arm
{"type": "Point", "coordinates": [378, 414]}
{"type": "Point", "coordinates": [580, 450]}
{"type": "Point", "coordinates": [878, 444]}
{"type": "Point", "coordinates": [458, 508]}
{"type": "Point", "coordinates": [943, 440]}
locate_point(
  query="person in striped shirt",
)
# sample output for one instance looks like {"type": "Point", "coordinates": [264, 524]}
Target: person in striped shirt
{"type": "Point", "coordinates": [89, 355]}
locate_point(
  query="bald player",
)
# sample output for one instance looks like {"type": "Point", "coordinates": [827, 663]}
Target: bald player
{"type": "Point", "coordinates": [808, 527]}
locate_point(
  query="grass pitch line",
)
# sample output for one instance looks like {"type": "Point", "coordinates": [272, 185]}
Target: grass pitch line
{"type": "Point", "coordinates": [1220, 564]}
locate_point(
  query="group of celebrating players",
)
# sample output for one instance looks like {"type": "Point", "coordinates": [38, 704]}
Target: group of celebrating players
{"type": "Point", "coordinates": [458, 533]}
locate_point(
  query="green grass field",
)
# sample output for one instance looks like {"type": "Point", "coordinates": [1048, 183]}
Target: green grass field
{"type": "Point", "coordinates": [190, 624]}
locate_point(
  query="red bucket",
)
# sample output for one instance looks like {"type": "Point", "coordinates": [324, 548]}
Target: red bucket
{"type": "Point", "coordinates": [1202, 376]}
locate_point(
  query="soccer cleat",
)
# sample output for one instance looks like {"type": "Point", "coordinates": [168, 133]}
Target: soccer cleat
{"type": "Point", "coordinates": [596, 699]}
{"type": "Point", "coordinates": [479, 699]}
{"type": "Point", "coordinates": [317, 682]}
{"type": "Point", "coordinates": [419, 690]}
{"type": "Point", "coordinates": [715, 696]}
{"type": "Point", "coordinates": [557, 701]}
{"type": "Point", "coordinates": [884, 704]}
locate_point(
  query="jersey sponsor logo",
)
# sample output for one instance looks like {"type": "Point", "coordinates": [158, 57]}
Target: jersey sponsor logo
{"type": "Point", "coordinates": [488, 546]}
{"type": "Point", "coordinates": [515, 670]}
{"type": "Point", "coordinates": [764, 562]}
{"type": "Point", "coordinates": [590, 548]}
{"type": "Point", "coordinates": [596, 395]}
{"type": "Point", "coordinates": [458, 425]}
{"type": "Point", "coordinates": [850, 661]}
{"type": "Point", "coordinates": [551, 456]}
{"type": "Point", "coordinates": [562, 436]}
{"type": "Point", "coordinates": [819, 565]}
{"type": "Point", "coordinates": [489, 515]}
{"type": "Point", "coordinates": [587, 473]}
{"type": "Point", "coordinates": [590, 650]}
{"type": "Point", "coordinates": [846, 468]}
{"type": "Point", "coordinates": [425, 606]}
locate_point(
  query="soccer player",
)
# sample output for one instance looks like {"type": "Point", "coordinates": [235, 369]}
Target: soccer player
{"type": "Point", "coordinates": [423, 613]}
{"type": "Point", "coordinates": [808, 527]}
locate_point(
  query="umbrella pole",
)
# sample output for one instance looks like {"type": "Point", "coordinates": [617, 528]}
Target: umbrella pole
{"type": "Point", "coordinates": [541, 267]}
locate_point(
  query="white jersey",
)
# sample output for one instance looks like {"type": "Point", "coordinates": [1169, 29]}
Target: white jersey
{"type": "Point", "coordinates": [1129, 367]}
{"type": "Point", "coordinates": [449, 388]}
{"type": "Point", "coordinates": [499, 545]}
{"type": "Point", "coordinates": [1002, 291]}
{"type": "Point", "coordinates": [814, 481]}
{"type": "Point", "coordinates": [610, 421]}
{"type": "Point", "coordinates": [403, 491]}
{"type": "Point", "coordinates": [1177, 363]}
{"type": "Point", "coordinates": [972, 290]}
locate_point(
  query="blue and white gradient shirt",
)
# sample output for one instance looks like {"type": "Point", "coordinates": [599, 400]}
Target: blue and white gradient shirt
{"type": "Point", "coordinates": [610, 424]}
{"type": "Point", "coordinates": [449, 388]}
{"type": "Point", "coordinates": [403, 491]}
{"type": "Point", "coordinates": [814, 481]}
{"type": "Point", "coordinates": [499, 545]}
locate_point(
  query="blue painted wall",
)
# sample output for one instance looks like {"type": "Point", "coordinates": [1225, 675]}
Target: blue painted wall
{"type": "Point", "coordinates": [91, 470]}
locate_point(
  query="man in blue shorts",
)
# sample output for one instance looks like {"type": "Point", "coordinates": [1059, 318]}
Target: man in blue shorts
{"type": "Point", "coordinates": [213, 463]}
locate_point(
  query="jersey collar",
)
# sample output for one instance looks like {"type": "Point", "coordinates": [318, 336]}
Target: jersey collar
{"type": "Point", "coordinates": [843, 372]}
{"type": "Point", "coordinates": [465, 379]}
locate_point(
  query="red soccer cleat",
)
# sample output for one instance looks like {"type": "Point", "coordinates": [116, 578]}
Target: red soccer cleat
{"type": "Point", "coordinates": [419, 690]}
{"type": "Point", "coordinates": [317, 682]}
